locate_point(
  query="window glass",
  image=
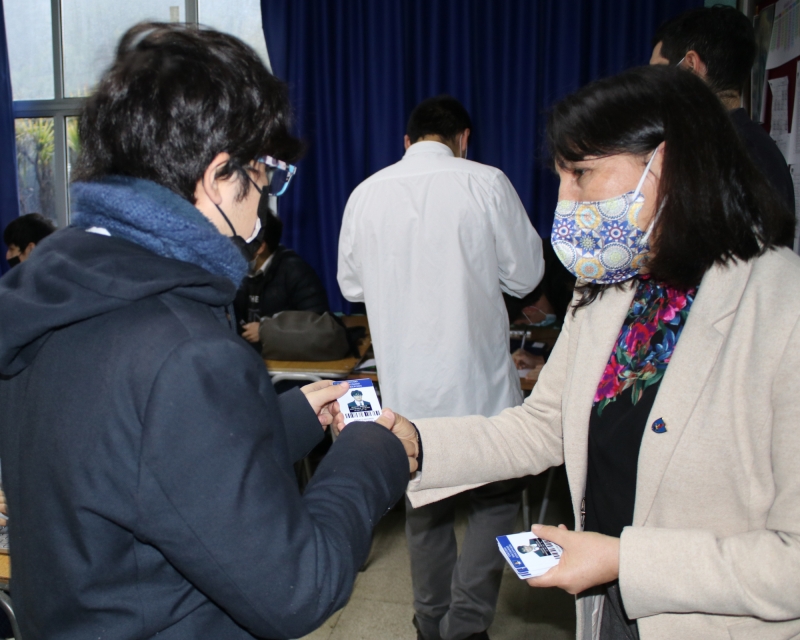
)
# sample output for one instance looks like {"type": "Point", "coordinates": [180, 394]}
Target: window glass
{"type": "Point", "coordinates": [92, 29]}
{"type": "Point", "coordinates": [73, 149]}
{"type": "Point", "coordinates": [29, 33]}
{"type": "Point", "coordinates": [35, 150]}
{"type": "Point", "coordinates": [244, 22]}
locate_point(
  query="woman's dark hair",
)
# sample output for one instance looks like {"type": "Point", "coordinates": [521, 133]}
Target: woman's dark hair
{"type": "Point", "coordinates": [173, 99]}
{"type": "Point", "coordinates": [441, 115]}
{"type": "Point", "coordinates": [715, 205]}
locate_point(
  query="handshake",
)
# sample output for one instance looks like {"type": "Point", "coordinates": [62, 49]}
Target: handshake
{"type": "Point", "coordinates": [323, 396]}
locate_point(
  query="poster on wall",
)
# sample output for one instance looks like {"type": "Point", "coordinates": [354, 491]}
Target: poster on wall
{"type": "Point", "coordinates": [784, 43]}
{"type": "Point", "coordinates": [793, 147]}
{"type": "Point", "coordinates": [779, 120]}
{"type": "Point", "coordinates": [758, 96]}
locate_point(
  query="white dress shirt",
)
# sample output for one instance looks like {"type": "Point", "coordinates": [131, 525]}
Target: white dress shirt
{"type": "Point", "coordinates": [428, 244]}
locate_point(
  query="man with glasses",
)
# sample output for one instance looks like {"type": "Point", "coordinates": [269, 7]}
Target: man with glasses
{"type": "Point", "coordinates": [146, 458]}
{"type": "Point", "coordinates": [718, 45]}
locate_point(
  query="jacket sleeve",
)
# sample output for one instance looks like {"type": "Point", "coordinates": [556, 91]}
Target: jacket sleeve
{"type": "Point", "coordinates": [302, 427]}
{"type": "Point", "coordinates": [755, 573]}
{"type": "Point", "coordinates": [518, 246]}
{"type": "Point", "coordinates": [464, 453]}
{"type": "Point", "coordinates": [305, 289]}
{"type": "Point", "coordinates": [348, 272]}
{"type": "Point", "coordinates": [218, 498]}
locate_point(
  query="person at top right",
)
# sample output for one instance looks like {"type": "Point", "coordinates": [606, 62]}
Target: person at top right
{"type": "Point", "coordinates": [718, 45]}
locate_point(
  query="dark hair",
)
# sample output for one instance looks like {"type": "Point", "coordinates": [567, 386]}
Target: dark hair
{"type": "Point", "coordinates": [173, 99]}
{"type": "Point", "coordinates": [273, 230]}
{"type": "Point", "coordinates": [722, 36]}
{"type": "Point", "coordinates": [32, 227]}
{"type": "Point", "coordinates": [441, 115]}
{"type": "Point", "coordinates": [715, 204]}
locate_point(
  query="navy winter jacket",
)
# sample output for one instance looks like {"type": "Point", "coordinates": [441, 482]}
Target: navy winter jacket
{"type": "Point", "coordinates": [148, 462]}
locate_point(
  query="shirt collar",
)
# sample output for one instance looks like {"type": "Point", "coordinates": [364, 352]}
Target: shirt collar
{"type": "Point", "coordinates": [263, 267]}
{"type": "Point", "coordinates": [429, 146]}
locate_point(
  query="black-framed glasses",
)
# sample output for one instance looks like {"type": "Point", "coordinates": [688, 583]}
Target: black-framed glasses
{"type": "Point", "coordinates": [281, 175]}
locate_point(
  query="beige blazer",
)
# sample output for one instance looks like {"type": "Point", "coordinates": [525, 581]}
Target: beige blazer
{"type": "Point", "coordinates": [714, 550]}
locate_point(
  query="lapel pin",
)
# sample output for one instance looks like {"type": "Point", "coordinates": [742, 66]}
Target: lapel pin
{"type": "Point", "coordinates": [659, 426]}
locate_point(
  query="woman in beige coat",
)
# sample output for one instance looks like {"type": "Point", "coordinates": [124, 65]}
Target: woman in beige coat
{"type": "Point", "coordinates": [673, 393]}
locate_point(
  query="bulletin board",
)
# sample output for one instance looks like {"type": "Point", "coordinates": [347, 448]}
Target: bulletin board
{"type": "Point", "coordinates": [775, 85]}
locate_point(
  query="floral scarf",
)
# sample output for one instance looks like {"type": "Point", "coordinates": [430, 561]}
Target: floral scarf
{"type": "Point", "coordinates": [646, 341]}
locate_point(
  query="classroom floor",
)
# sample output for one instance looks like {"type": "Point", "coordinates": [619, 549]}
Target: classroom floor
{"type": "Point", "coordinates": [381, 605]}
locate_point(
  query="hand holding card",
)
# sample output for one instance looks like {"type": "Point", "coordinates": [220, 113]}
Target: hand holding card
{"type": "Point", "coordinates": [528, 554]}
{"type": "Point", "coordinates": [588, 559]}
{"type": "Point", "coordinates": [361, 404]}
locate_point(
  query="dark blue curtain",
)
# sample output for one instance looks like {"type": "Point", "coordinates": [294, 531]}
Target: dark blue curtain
{"type": "Point", "coordinates": [356, 69]}
{"type": "Point", "coordinates": [9, 200]}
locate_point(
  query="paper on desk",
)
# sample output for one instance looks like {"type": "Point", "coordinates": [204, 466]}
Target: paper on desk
{"type": "Point", "coordinates": [784, 44]}
{"type": "Point", "coordinates": [779, 127]}
{"type": "Point", "coordinates": [360, 403]}
{"type": "Point", "coordinates": [528, 554]}
{"type": "Point", "coordinates": [370, 363]}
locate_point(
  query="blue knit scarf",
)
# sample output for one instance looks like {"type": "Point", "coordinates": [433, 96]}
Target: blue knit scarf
{"type": "Point", "coordinates": [157, 219]}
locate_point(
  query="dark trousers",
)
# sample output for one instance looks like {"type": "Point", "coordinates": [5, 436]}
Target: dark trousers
{"type": "Point", "coordinates": [615, 624]}
{"type": "Point", "coordinates": [456, 595]}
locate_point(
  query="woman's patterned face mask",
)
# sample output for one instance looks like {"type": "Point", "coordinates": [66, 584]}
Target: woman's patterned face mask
{"type": "Point", "coordinates": [600, 241]}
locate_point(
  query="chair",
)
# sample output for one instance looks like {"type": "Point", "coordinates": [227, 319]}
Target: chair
{"type": "Point", "coordinates": [526, 502]}
{"type": "Point", "coordinates": [8, 609]}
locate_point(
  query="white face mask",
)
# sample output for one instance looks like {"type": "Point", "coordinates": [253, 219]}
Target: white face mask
{"type": "Point", "coordinates": [255, 231]}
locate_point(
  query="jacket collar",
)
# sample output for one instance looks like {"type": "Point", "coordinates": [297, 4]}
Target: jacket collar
{"type": "Point", "coordinates": [695, 356]}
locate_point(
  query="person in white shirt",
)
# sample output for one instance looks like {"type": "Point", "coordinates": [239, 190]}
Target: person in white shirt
{"type": "Point", "coordinates": [430, 244]}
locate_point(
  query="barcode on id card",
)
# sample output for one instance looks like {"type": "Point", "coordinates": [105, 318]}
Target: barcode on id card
{"type": "Point", "coordinates": [362, 414]}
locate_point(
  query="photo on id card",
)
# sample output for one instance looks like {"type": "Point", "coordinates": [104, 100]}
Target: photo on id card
{"type": "Point", "coordinates": [360, 403]}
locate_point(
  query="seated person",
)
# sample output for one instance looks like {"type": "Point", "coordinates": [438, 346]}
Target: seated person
{"type": "Point", "coordinates": [23, 234]}
{"type": "Point", "coordinates": [279, 280]}
{"type": "Point", "coordinates": [547, 304]}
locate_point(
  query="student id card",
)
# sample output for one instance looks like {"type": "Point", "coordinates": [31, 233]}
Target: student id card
{"type": "Point", "coordinates": [360, 403]}
{"type": "Point", "coordinates": [528, 554]}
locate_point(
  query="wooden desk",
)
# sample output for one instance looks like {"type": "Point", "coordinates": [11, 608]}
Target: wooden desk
{"type": "Point", "coordinates": [548, 335]}
{"type": "Point", "coordinates": [5, 567]}
{"type": "Point", "coordinates": [344, 368]}
{"type": "Point", "coordinates": [327, 368]}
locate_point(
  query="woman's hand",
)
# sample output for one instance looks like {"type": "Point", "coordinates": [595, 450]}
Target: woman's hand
{"type": "Point", "coordinates": [401, 428]}
{"type": "Point", "coordinates": [323, 396]}
{"type": "Point", "coordinates": [589, 559]}
{"type": "Point", "coordinates": [405, 432]}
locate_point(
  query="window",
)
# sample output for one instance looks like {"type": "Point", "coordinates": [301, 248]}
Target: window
{"type": "Point", "coordinates": [244, 22]}
{"type": "Point", "coordinates": [35, 147]}
{"type": "Point", "coordinates": [58, 50]}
